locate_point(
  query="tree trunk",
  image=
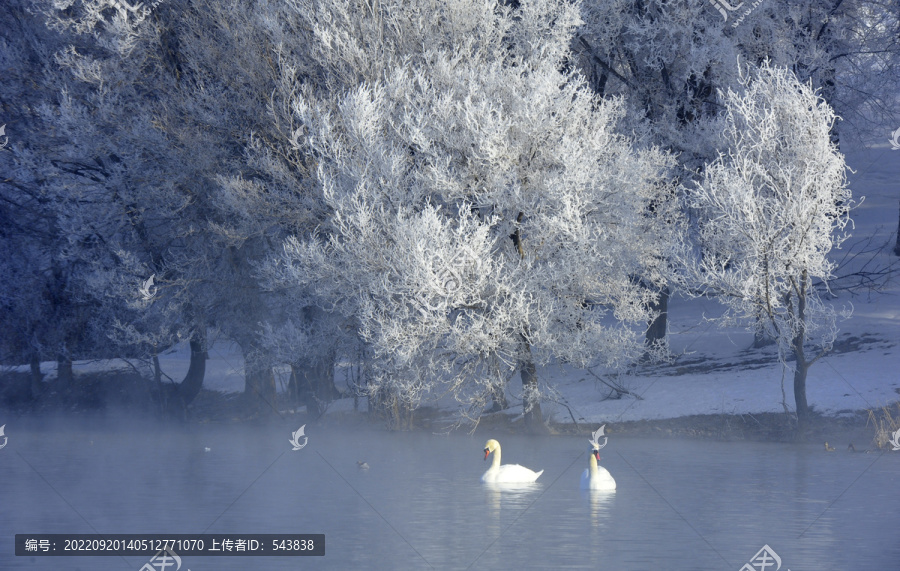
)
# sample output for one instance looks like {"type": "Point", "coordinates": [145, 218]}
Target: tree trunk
{"type": "Point", "coordinates": [313, 383]}
{"type": "Point", "coordinates": [259, 385]}
{"type": "Point", "coordinates": [531, 400]}
{"type": "Point", "coordinates": [760, 337]}
{"type": "Point", "coordinates": [801, 365]}
{"type": "Point", "coordinates": [157, 370]}
{"type": "Point", "coordinates": [175, 397]}
{"type": "Point", "coordinates": [162, 394]}
{"type": "Point", "coordinates": [36, 376]}
{"type": "Point", "coordinates": [64, 374]}
{"type": "Point", "coordinates": [313, 375]}
{"type": "Point", "coordinates": [294, 389]}
{"type": "Point", "coordinates": [897, 244]}
{"type": "Point", "coordinates": [259, 378]}
{"type": "Point", "coordinates": [801, 368]}
{"type": "Point", "coordinates": [656, 333]}
{"type": "Point", "coordinates": [824, 36]}
{"type": "Point", "coordinates": [387, 404]}
{"type": "Point", "coordinates": [498, 399]}
{"type": "Point", "coordinates": [193, 380]}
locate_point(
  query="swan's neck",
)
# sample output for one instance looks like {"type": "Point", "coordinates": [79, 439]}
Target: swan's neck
{"type": "Point", "coordinates": [593, 466]}
{"type": "Point", "coordinates": [495, 463]}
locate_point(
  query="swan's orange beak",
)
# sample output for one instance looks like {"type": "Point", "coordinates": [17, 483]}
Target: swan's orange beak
{"type": "Point", "coordinates": [486, 453]}
{"type": "Point", "coordinates": [597, 455]}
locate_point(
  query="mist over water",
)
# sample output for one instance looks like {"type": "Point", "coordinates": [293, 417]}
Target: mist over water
{"type": "Point", "coordinates": [679, 504]}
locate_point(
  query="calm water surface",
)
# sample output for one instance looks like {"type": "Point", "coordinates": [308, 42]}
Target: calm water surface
{"type": "Point", "coordinates": [679, 504]}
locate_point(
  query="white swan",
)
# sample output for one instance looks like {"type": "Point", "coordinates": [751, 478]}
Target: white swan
{"type": "Point", "coordinates": [507, 474]}
{"type": "Point", "coordinates": [596, 477]}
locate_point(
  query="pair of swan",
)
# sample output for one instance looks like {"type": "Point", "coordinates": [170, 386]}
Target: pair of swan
{"type": "Point", "coordinates": [595, 477]}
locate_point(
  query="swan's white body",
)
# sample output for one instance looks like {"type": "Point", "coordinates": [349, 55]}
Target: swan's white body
{"type": "Point", "coordinates": [507, 474]}
{"type": "Point", "coordinates": [596, 477]}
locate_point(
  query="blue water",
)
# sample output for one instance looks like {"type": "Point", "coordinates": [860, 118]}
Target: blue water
{"type": "Point", "coordinates": [679, 504]}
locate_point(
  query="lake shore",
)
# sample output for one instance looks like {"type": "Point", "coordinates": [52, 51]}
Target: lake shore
{"type": "Point", "coordinates": [102, 394]}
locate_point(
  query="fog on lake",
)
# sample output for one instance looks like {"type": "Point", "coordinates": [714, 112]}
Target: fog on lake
{"type": "Point", "coordinates": [420, 504]}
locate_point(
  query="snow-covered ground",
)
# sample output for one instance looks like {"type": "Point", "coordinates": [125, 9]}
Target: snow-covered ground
{"type": "Point", "coordinates": [714, 372]}
{"type": "Point", "coordinates": [733, 380]}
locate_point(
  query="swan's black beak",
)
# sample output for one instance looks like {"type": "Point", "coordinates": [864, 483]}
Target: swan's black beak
{"type": "Point", "coordinates": [486, 453]}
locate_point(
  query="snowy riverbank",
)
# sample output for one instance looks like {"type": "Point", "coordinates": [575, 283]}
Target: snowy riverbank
{"type": "Point", "coordinates": [713, 372]}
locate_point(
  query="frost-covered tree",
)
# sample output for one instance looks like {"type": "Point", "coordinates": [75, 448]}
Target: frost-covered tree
{"type": "Point", "coordinates": [486, 217]}
{"type": "Point", "coordinates": [670, 59]}
{"type": "Point", "coordinates": [104, 170]}
{"type": "Point", "coordinates": [44, 318]}
{"type": "Point", "coordinates": [848, 49]}
{"type": "Point", "coordinates": [179, 170]}
{"type": "Point", "coordinates": [772, 207]}
{"type": "Point", "coordinates": [666, 59]}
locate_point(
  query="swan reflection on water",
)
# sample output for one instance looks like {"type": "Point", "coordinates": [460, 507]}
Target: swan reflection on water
{"type": "Point", "coordinates": [504, 500]}
{"type": "Point", "coordinates": [518, 495]}
{"type": "Point", "coordinates": [600, 502]}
